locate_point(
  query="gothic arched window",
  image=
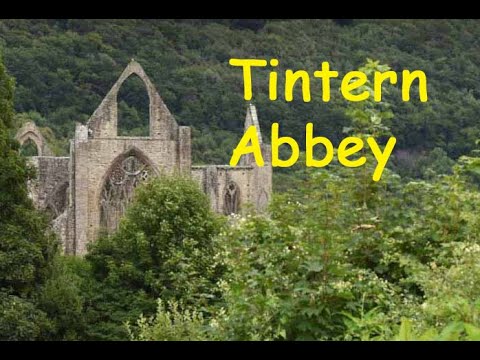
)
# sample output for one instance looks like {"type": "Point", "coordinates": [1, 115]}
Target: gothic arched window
{"type": "Point", "coordinates": [133, 108]}
{"type": "Point", "coordinates": [125, 175]}
{"type": "Point", "coordinates": [262, 201]}
{"type": "Point", "coordinates": [29, 148]}
{"type": "Point", "coordinates": [232, 199]}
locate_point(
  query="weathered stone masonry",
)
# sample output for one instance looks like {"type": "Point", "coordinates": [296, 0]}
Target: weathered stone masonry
{"type": "Point", "coordinates": [89, 190]}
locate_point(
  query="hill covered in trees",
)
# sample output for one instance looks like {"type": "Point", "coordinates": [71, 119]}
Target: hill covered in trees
{"type": "Point", "coordinates": [64, 68]}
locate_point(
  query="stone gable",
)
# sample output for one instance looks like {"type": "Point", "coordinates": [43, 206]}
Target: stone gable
{"type": "Point", "coordinates": [87, 192]}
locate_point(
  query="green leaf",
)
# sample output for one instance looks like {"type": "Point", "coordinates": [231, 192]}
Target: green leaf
{"type": "Point", "coordinates": [405, 333]}
{"type": "Point", "coordinates": [473, 332]}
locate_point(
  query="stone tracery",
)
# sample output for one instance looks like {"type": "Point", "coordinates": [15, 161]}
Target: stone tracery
{"type": "Point", "coordinates": [125, 175]}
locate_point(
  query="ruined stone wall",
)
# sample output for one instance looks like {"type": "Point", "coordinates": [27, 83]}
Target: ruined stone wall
{"type": "Point", "coordinates": [102, 183]}
{"type": "Point", "coordinates": [262, 180]}
{"type": "Point", "coordinates": [29, 131]}
{"type": "Point", "coordinates": [89, 190]}
{"type": "Point", "coordinates": [103, 122]}
{"type": "Point", "coordinates": [50, 189]}
{"type": "Point", "coordinates": [214, 179]}
{"type": "Point", "coordinates": [253, 185]}
{"type": "Point", "coordinates": [93, 160]}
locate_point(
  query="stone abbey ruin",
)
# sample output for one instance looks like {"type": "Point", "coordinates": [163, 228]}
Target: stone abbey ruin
{"type": "Point", "coordinates": [89, 190]}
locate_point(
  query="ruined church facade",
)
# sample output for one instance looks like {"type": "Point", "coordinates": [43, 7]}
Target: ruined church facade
{"type": "Point", "coordinates": [88, 191]}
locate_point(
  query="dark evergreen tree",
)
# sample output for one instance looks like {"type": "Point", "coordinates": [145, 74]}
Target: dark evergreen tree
{"type": "Point", "coordinates": [26, 246]}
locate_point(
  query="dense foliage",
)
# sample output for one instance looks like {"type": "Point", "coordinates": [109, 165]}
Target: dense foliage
{"type": "Point", "coordinates": [344, 258]}
{"type": "Point", "coordinates": [28, 248]}
{"type": "Point", "coordinates": [337, 256]}
{"type": "Point", "coordinates": [340, 261]}
{"type": "Point", "coordinates": [163, 249]}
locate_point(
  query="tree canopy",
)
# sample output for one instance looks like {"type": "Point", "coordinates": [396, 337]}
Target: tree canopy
{"type": "Point", "coordinates": [27, 246]}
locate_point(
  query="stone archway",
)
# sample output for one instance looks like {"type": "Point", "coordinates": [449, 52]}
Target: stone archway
{"type": "Point", "coordinates": [31, 137]}
{"type": "Point", "coordinates": [133, 108]}
{"type": "Point", "coordinates": [30, 132]}
{"type": "Point", "coordinates": [29, 147]}
{"type": "Point", "coordinates": [104, 121]}
{"type": "Point", "coordinates": [231, 202]}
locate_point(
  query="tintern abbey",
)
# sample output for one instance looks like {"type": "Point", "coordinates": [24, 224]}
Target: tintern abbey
{"type": "Point", "coordinates": [89, 190]}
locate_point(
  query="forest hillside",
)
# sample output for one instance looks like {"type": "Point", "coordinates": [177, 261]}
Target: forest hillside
{"type": "Point", "coordinates": [64, 68]}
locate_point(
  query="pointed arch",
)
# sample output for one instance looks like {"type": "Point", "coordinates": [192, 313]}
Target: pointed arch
{"type": "Point", "coordinates": [262, 201]}
{"type": "Point", "coordinates": [30, 132]}
{"type": "Point", "coordinates": [103, 122]}
{"type": "Point", "coordinates": [125, 173]}
{"type": "Point", "coordinates": [29, 147]}
{"type": "Point", "coordinates": [30, 136]}
{"type": "Point", "coordinates": [231, 198]}
{"type": "Point", "coordinates": [133, 112]}
{"type": "Point", "coordinates": [136, 71]}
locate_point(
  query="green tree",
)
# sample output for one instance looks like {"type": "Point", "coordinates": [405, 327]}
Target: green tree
{"type": "Point", "coordinates": [63, 300]}
{"type": "Point", "coordinates": [27, 247]}
{"type": "Point", "coordinates": [163, 249]}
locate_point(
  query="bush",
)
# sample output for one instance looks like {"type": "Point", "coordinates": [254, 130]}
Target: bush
{"type": "Point", "coordinates": [163, 249]}
{"type": "Point", "coordinates": [20, 319]}
{"type": "Point", "coordinates": [170, 323]}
